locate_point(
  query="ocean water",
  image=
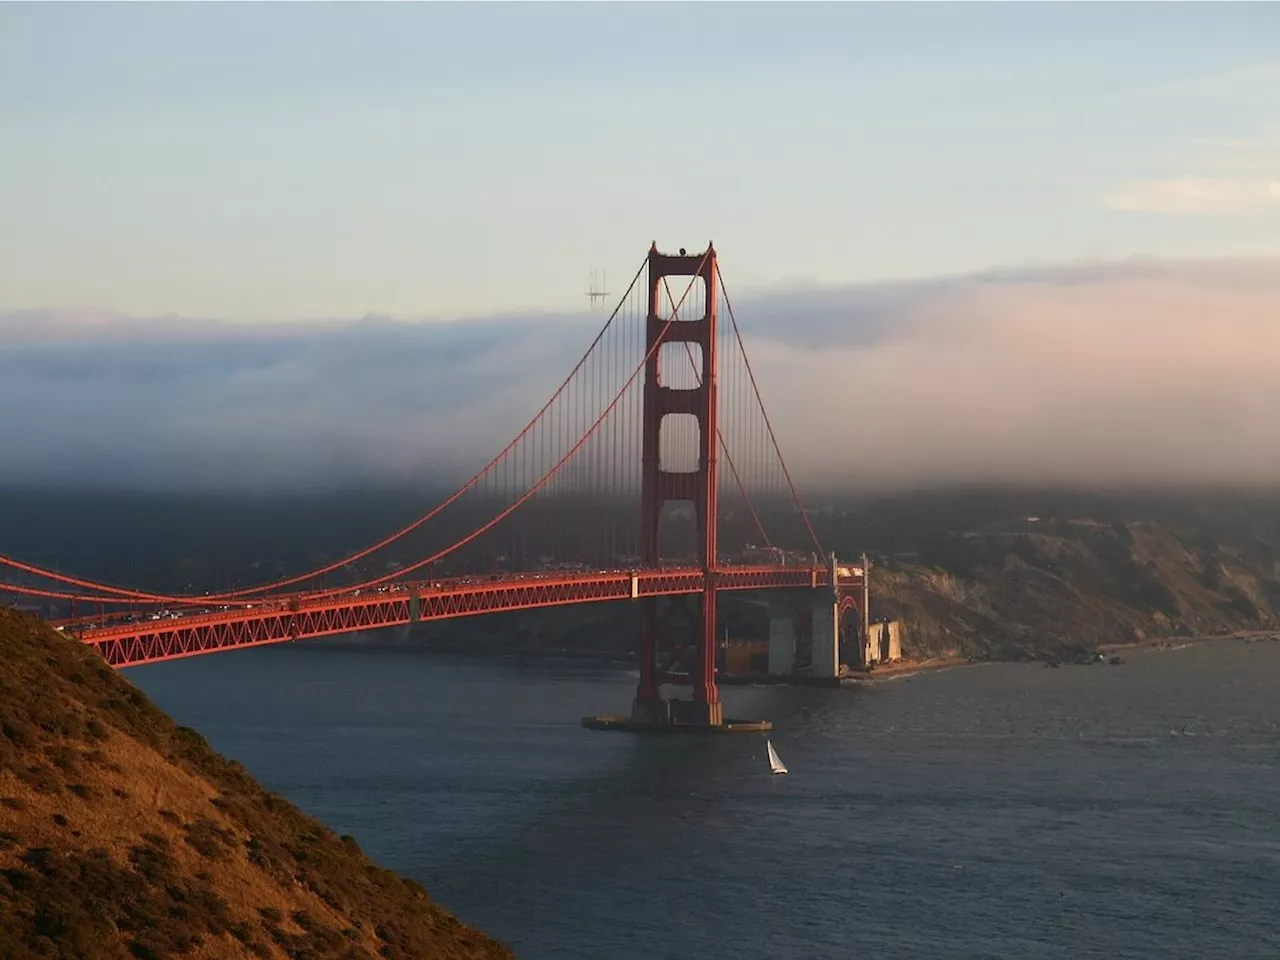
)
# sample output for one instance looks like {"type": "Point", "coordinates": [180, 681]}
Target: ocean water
{"type": "Point", "coordinates": [995, 811]}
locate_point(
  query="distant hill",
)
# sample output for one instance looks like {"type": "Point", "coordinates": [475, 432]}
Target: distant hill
{"type": "Point", "coordinates": [1049, 587]}
{"type": "Point", "coordinates": [125, 835]}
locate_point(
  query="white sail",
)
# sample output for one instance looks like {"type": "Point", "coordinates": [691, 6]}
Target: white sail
{"type": "Point", "coordinates": [775, 762]}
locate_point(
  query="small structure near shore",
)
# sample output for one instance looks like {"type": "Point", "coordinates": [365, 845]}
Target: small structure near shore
{"type": "Point", "coordinates": [883, 643]}
{"type": "Point", "coordinates": [787, 657]}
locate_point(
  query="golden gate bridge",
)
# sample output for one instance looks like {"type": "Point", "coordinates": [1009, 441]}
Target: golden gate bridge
{"type": "Point", "coordinates": [648, 476]}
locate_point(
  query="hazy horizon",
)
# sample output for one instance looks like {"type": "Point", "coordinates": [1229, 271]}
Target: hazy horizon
{"type": "Point", "coordinates": [1132, 373]}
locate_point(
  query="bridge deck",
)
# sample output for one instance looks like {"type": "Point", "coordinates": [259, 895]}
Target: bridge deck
{"type": "Point", "coordinates": [303, 616]}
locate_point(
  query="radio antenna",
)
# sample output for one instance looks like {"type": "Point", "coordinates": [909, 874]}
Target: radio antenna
{"type": "Point", "coordinates": [597, 292]}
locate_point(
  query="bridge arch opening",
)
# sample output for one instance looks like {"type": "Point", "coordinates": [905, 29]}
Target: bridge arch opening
{"type": "Point", "coordinates": [679, 442]}
{"type": "Point", "coordinates": [670, 291]}
{"type": "Point", "coordinates": [850, 631]}
{"type": "Point", "coordinates": [678, 532]}
{"type": "Point", "coordinates": [675, 371]}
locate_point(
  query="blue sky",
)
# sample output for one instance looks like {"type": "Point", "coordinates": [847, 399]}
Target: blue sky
{"type": "Point", "coordinates": [299, 161]}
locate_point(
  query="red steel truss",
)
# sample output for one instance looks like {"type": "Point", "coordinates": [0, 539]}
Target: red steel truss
{"type": "Point", "coordinates": [286, 619]}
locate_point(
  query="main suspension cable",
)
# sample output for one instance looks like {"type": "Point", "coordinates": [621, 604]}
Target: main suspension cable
{"type": "Point", "coordinates": [765, 413]}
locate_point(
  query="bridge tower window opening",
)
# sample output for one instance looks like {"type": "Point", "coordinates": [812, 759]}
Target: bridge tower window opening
{"type": "Point", "coordinates": [680, 365]}
{"type": "Point", "coordinates": [678, 533]}
{"type": "Point", "coordinates": [679, 444]}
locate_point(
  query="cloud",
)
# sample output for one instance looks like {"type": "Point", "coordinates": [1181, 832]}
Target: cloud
{"type": "Point", "coordinates": [1141, 373]}
{"type": "Point", "coordinates": [1134, 372]}
{"type": "Point", "coordinates": [147, 403]}
{"type": "Point", "coordinates": [1199, 195]}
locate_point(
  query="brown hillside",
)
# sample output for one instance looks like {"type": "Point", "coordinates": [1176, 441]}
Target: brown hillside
{"type": "Point", "coordinates": [125, 835]}
{"type": "Point", "coordinates": [1053, 588]}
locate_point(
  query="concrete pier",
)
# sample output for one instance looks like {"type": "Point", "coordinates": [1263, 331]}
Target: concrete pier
{"type": "Point", "coordinates": [826, 638]}
{"type": "Point", "coordinates": [782, 644]}
{"type": "Point", "coordinates": [670, 711]}
{"type": "Point", "coordinates": [669, 715]}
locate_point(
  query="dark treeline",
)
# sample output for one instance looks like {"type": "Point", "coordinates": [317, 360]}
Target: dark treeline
{"type": "Point", "coordinates": [177, 542]}
{"type": "Point", "coordinates": [916, 521]}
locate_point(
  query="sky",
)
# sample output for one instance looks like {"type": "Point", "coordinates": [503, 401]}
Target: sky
{"type": "Point", "coordinates": [294, 161]}
{"type": "Point", "coordinates": [263, 246]}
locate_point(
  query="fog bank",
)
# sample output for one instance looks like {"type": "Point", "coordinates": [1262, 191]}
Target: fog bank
{"type": "Point", "coordinates": [1143, 372]}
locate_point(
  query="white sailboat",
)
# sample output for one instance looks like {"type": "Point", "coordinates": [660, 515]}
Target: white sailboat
{"type": "Point", "coordinates": [775, 762]}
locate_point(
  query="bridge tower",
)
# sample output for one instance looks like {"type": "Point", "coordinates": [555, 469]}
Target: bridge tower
{"type": "Point", "coordinates": [698, 486]}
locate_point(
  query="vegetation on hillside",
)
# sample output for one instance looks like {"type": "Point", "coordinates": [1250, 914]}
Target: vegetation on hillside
{"type": "Point", "coordinates": [125, 835]}
{"type": "Point", "coordinates": [1058, 587]}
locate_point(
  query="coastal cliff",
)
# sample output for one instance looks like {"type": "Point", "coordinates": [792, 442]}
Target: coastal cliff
{"type": "Point", "coordinates": [1042, 589]}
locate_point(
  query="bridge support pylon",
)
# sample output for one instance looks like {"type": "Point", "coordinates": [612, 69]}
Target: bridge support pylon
{"type": "Point", "coordinates": [663, 658]}
{"type": "Point", "coordinates": [659, 486]}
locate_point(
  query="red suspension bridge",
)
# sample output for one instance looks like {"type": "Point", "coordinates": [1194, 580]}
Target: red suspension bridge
{"type": "Point", "coordinates": [651, 475]}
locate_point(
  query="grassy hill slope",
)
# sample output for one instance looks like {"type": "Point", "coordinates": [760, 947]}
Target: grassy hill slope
{"type": "Point", "coordinates": [125, 835]}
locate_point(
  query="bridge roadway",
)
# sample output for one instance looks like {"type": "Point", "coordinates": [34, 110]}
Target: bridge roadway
{"type": "Point", "coordinates": [302, 616]}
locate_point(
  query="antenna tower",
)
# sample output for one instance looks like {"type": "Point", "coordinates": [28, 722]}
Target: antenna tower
{"type": "Point", "coordinates": [596, 289]}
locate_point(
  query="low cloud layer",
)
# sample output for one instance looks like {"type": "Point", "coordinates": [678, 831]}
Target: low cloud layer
{"type": "Point", "coordinates": [1141, 372]}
